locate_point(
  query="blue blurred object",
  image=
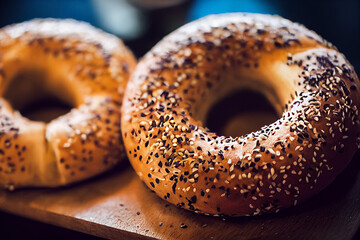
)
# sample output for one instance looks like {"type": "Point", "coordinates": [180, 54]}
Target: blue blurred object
{"type": "Point", "coordinates": [115, 16]}
{"type": "Point", "coordinates": [21, 10]}
{"type": "Point", "coordinates": [201, 8]}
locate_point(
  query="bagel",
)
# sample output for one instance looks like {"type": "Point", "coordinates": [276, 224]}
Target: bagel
{"type": "Point", "coordinates": [82, 66]}
{"type": "Point", "coordinates": [310, 84]}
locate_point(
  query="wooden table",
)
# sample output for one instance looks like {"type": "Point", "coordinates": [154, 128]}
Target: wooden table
{"type": "Point", "coordinates": [117, 205]}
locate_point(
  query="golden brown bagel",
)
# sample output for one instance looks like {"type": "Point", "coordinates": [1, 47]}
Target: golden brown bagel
{"type": "Point", "coordinates": [84, 67]}
{"type": "Point", "coordinates": [312, 86]}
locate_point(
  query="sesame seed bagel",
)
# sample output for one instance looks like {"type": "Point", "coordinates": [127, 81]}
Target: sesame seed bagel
{"type": "Point", "coordinates": [80, 65]}
{"type": "Point", "coordinates": [310, 84]}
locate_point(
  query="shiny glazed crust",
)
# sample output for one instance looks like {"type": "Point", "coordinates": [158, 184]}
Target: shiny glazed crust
{"type": "Point", "coordinates": [84, 67]}
{"type": "Point", "coordinates": [311, 84]}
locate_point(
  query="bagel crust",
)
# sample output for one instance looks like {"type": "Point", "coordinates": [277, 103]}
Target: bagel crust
{"type": "Point", "coordinates": [311, 84]}
{"type": "Point", "coordinates": [84, 67]}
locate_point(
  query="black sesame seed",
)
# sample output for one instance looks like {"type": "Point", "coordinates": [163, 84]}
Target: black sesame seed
{"type": "Point", "coordinates": [183, 226]}
{"type": "Point", "coordinates": [261, 31]}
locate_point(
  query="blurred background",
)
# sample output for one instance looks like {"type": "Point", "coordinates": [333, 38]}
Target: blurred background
{"type": "Point", "coordinates": [142, 23]}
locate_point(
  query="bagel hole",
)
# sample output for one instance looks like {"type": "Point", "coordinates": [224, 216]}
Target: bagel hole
{"type": "Point", "coordinates": [239, 113]}
{"type": "Point", "coordinates": [29, 93]}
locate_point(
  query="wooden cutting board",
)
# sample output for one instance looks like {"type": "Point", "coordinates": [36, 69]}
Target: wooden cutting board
{"type": "Point", "coordinates": [117, 205]}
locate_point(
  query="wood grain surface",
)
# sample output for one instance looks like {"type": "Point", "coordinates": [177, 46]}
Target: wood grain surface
{"type": "Point", "coordinates": [117, 205]}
